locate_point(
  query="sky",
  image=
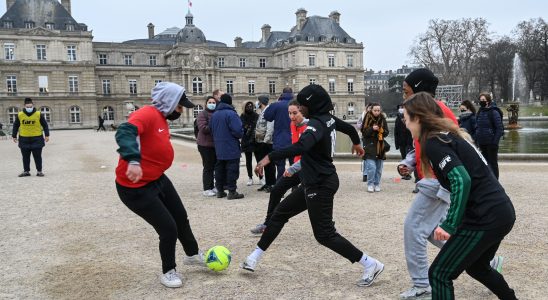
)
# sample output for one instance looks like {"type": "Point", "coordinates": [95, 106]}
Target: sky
{"type": "Point", "coordinates": [387, 29]}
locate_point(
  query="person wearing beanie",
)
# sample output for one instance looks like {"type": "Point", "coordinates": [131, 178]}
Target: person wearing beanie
{"type": "Point", "coordinates": [420, 80]}
{"type": "Point", "coordinates": [263, 137]}
{"type": "Point", "coordinates": [146, 153]}
{"type": "Point", "coordinates": [320, 183]}
{"type": "Point", "coordinates": [226, 128]}
{"type": "Point", "coordinates": [33, 132]}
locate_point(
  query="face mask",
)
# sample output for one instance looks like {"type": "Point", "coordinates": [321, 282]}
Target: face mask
{"type": "Point", "coordinates": [400, 111]}
{"type": "Point", "coordinates": [29, 109]}
{"type": "Point", "coordinates": [211, 106]}
{"type": "Point", "coordinates": [257, 106]}
{"type": "Point", "coordinates": [483, 103]}
{"type": "Point", "coordinates": [173, 116]}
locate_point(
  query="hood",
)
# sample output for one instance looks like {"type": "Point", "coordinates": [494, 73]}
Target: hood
{"type": "Point", "coordinates": [286, 97]}
{"type": "Point", "coordinates": [165, 96]}
{"type": "Point", "coordinates": [223, 106]}
{"type": "Point", "coordinates": [316, 98]}
{"type": "Point", "coordinates": [246, 103]}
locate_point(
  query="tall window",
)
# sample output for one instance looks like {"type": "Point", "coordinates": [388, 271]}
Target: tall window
{"type": "Point", "coordinates": [152, 60]}
{"type": "Point", "coordinates": [103, 59]}
{"type": "Point", "coordinates": [11, 84]}
{"type": "Point", "coordinates": [350, 84]}
{"type": "Point", "coordinates": [106, 87]}
{"type": "Point", "coordinates": [272, 87]}
{"type": "Point", "coordinates": [12, 114]}
{"type": "Point", "coordinates": [312, 60]}
{"type": "Point", "coordinates": [350, 110]}
{"type": "Point", "coordinates": [41, 52]}
{"type": "Point", "coordinates": [350, 61]}
{"type": "Point", "coordinates": [73, 84]}
{"type": "Point", "coordinates": [128, 60]}
{"type": "Point", "coordinates": [9, 51]}
{"type": "Point", "coordinates": [69, 27]}
{"type": "Point", "coordinates": [75, 114]}
{"type": "Point", "coordinates": [230, 87]}
{"type": "Point", "coordinates": [156, 81]}
{"type": "Point", "coordinates": [251, 87]}
{"type": "Point", "coordinates": [8, 24]}
{"type": "Point", "coordinates": [221, 62]}
{"type": "Point", "coordinates": [50, 26]}
{"type": "Point", "coordinates": [312, 80]}
{"type": "Point", "coordinates": [197, 86]}
{"type": "Point", "coordinates": [332, 85]}
{"type": "Point", "coordinates": [133, 87]}
{"type": "Point", "coordinates": [71, 53]}
{"type": "Point", "coordinates": [46, 112]}
{"type": "Point", "coordinates": [331, 60]}
{"type": "Point", "coordinates": [43, 85]}
{"type": "Point", "coordinates": [29, 24]}
{"type": "Point", "coordinates": [262, 62]}
{"type": "Point", "coordinates": [242, 62]}
{"type": "Point", "coordinates": [197, 110]}
{"type": "Point", "coordinates": [108, 113]}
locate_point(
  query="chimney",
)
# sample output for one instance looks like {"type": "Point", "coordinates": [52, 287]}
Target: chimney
{"type": "Point", "coordinates": [335, 16]}
{"type": "Point", "coordinates": [301, 18]}
{"type": "Point", "coordinates": [9, 3]}
{"type": "Point", "coordinates": [266, 32]}
{"type": "Point", "coordinates": [66, 4]}
{"type": "Point", "coordinates": [238, 42]}
{"type": "Point", "coordinates": [150, 30]}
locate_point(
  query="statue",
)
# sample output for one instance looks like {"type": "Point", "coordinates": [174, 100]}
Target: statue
{"type": "Point", "coordinates": [513, 113]}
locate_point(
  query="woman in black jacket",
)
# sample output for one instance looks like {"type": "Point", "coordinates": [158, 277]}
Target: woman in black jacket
{"type": "Point", "coordinates": [374, 131]}
{"type": "Point", "coordinates": [467, 117]}
{"type": "Point", "coordinates": [249, 121]}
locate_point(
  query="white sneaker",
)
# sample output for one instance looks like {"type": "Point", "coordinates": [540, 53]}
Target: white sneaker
{"type": "Point", "coordinates": [215, 190]}
{"type": "Point", "coordinates": [249, 264]}
{"type": "Point", "coordinates": [417, 293]}
{"type": "Point", "coordinates": [370, 189]}
{"type": "Point", "coordinates": [250, 181]}
{"type": "Point", "coordinates": [496, 263]}
{"type": "Point", "coordinates": [171, 279]}
{"type": "Point", "coordinates": [195, 260]}
{"type": "Point", "coordinates": [209, 193]}
{"type": "Point", "coordinates": [263, 181]}
{"type": "Point", "coordinates": [377, 188]}
{"type": "Point", "coordinates": [369, 275]}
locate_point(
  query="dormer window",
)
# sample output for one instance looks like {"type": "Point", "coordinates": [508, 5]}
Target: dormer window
{"type": "Point", "coordinates": [29, 24]}
{"type": "Point", "coordinates": [50, 26]}
{"type": "Point", "coordinates": [322, 38]}
{"type": "Point", "coordinates": [335, 39]}
{"type": "Point", "coordinates": [310, 38]}
{"type": "Point", "coordinates": [69, 27]}
{"type": "Point", "coordinates": [8, 24]}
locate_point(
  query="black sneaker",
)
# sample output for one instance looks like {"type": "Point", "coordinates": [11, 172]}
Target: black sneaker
{"type": "Point", "coordinates": [406, 177]}
{"type": "Point", "coordinates": [24, 174]}
{"type": "Point", "coordinates": [262, 188]}
{"type": "Point", "coordinates": [40, 174]}
{"type": "Point", "coordinates": [268, 188]}
{"type": "Point", "coordinates": [234, 195]}
{"type": "Point", "coordinates": [221, 194]}
{"type": "Point", "coordinates": [416, 190]}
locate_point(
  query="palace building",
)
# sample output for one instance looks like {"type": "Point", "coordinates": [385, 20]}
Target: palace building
{"type": "Point", "coordinates": [48, 56]}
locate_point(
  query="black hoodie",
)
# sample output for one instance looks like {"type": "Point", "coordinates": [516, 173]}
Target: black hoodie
{"type": "Point", "coordinates": [317, 143]}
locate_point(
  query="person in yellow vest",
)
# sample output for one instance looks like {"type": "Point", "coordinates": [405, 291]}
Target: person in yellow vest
{"type": "Point", "coordinates": [33, 131]}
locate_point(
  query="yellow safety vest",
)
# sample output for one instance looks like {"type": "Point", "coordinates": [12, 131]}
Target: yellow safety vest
{"type": "Point", "coordinates": [29, 125]}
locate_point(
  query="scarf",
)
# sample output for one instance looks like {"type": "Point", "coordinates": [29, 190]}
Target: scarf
{"type": "Point", "coordinates": [368, 122]}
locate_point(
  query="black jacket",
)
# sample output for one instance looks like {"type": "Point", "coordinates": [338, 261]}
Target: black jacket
{"type": "Point", "coordinates": [402, 136]}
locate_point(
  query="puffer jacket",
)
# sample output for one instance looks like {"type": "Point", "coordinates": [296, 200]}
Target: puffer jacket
{"type": "Point", "coordinates": [226, 127]}
{"type": "Point", "coordinates": [489, 128]}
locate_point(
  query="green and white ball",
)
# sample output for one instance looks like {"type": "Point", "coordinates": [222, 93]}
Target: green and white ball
{"type": "Point", "coordinates": [217, 258]}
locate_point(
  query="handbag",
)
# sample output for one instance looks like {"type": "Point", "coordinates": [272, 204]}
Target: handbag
{"type": "Point", "coordinates": [386, 145]}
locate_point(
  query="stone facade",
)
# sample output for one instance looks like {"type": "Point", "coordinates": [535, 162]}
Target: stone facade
{"type": "Point", "coordinates": [75, 79]}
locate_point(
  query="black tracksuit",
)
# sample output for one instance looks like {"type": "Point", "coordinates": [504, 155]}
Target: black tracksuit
{"type": "Point", "coordinates": [318, 175]}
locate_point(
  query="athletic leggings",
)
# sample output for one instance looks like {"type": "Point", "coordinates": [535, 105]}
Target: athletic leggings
{"type": "Point", "coordinates": [249, 163]}
{"type": "Point", "coordinates": [37, 154]}
{"type": "Point", "coordinates": [470, 251]}
{"type": "Point", "coordinates": [159, 205]}
{"type": "Point", "coordinates": [318, 200]}
{"type": "Point", "coordinates": [278, 191]}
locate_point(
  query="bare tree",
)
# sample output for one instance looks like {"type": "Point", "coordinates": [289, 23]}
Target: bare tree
{"type": "Point", "coordinates": [451, 48]}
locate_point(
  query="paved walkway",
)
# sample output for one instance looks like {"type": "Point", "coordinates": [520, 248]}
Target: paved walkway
{"type": "Point", "coordinates": [67, 235]}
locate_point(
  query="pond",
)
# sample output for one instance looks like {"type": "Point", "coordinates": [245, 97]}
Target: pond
{"type": "Point", "coordinates": [532, 138]}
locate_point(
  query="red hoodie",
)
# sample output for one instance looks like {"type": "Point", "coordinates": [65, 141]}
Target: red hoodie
{"type": "Point", "coordinates": [296, 132]}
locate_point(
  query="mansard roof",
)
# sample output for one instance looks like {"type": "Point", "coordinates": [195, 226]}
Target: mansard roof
{"type": "Point", "coordinates": [317, 27]}
{"type": "Point", "coordinates": [40, 12]}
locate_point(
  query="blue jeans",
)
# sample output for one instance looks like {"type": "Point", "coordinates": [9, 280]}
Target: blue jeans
{"type": "Point", "coordinates": [374, 171]}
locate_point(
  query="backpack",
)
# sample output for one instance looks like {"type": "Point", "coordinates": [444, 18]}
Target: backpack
{"type": "Point", "coordinates": [196, 130]}
{"type": "Point", "coordinates": [492, 119]}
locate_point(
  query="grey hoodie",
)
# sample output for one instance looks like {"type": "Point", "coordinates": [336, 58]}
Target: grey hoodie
{"type": "Point", "coordinates": [165, 96]}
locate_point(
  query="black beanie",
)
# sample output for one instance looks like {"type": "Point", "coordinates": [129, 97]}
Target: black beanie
{"type": "Point", "coordinates": [263, 99]}
{"type": "Point", "coordinates": [225, 98]}
{"type": "Point", "coordinates": [28, 101]}
{"type": "Point", "coordinates": [422, 80]}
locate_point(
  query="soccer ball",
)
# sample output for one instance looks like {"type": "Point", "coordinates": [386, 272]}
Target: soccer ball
{"type": "Point", "coordinates": [217, 258]}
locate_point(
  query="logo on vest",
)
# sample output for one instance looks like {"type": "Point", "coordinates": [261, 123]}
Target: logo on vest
{"type": "Point", "coordinates": [28, 122]}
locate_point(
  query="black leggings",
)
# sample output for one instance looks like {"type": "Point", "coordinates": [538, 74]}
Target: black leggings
{"type": "Point", "coordinates": [249, 163]}
{"type": "Point", "coordinates": [159, 204]}
{"type": "Point", "coordinates": [278, 191]}
{"type": "Point", "coordinates": [491, 153]}
{"type": "Point", "coordinates": [36, 154]}
{"type": "Point", "coordinates": [209, 159]}
{"type": "Point", "coordinates": [318, 200]}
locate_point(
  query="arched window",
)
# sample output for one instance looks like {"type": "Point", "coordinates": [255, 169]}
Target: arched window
{"type": "Point", "coordinates": [197, 109]}
{"type": "Point", "coordinates": [46, 112]}
{"type": "Point", "coordinates": [12, 114]}
{"type": "Point", "coordinates": [108, 113]}
{"type": "Point", "coordinates": [350, 110]}
{"type": "Point", "coordinates": [75, 114]}
{"type": "Point", "coordinates": [197, 86]}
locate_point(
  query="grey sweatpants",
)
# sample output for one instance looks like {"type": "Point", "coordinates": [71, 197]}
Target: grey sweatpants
{"type": "Point", "coordinates": [427, 211]}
